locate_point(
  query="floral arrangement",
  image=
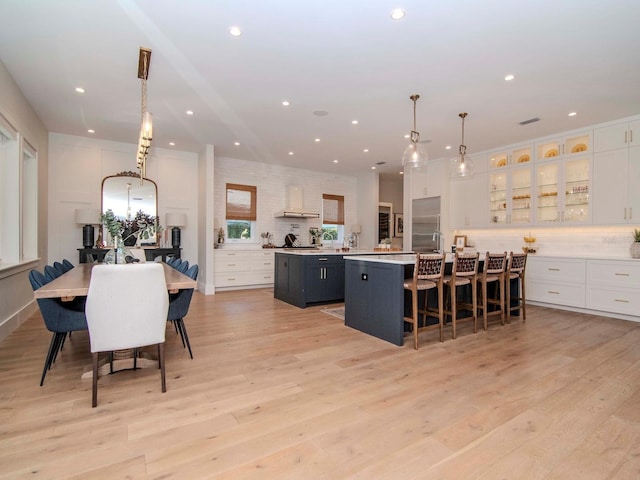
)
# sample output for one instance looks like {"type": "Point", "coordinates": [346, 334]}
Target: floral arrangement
{"type": "Point", "coordinates": [317, 234]}
{"type": "Point", "coordinates": [142, 226]}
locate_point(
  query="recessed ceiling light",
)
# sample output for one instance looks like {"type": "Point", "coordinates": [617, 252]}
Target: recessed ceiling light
{"type": "Point", "coordinates": [91, 130]}
{"type": "Point", "coordinates": [335, 161]}
{"type": "Point", "coordinates": [366, 150]}
{"type": "Point", "coordinates": [79, 89]}
{"type": "Point", "coordinates": [173, 144]}
{"type": "Point", "coordinates": [235, 31]}
{"type": "Point", "coordinates": [407, 136]}
{"type": "Point", "coordinates": [189, 112]}
{"type": "Point", "coordinates": [290, 153]}
{"type": "Point", "coordinates": [317, 140]}
{"type": "Point", "coordinates": [354, 122]}
{"type": "Point", "coordinates": [285, 103]}
{"type": "Point", "coordinates": [397, 13]}
{"type": "Point", "coordinates": [448, 147]}
{"type": "Point", "coordinates": [401, 172]}
{"type": "Point", "coordinates": [237, 144]}
{"type": "Point", "coordinates": [509, 77]}
{"type": "Point", "coordinates": [572, 114]}
{"type": "Point", "coordinates": [373, 168]}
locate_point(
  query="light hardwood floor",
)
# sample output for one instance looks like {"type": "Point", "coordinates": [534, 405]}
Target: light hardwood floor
{"type": "Point", "coordinates": [277, 392]}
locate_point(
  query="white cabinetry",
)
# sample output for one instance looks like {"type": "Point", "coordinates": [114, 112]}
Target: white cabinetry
{"type": "Point", "coordinates": [616, 174]}
{"type": "Point", "coordinates": [244, 268]}
{"type": "Point", "coordinates": [563, 190]}
{"type": "Point", "coordinates": [468, 202]}
{"type": "Point", "coordinates": [570, 144]}
{"type": "Point", "coordinates": [558, 281]}
{"type": "Point", "coordinates": [614, 286]}
{"type": "Point", "coordinates": [510, 184]}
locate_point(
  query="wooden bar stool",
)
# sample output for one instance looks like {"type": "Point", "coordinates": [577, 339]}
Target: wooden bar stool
{"type": "Point", "coordinates": [464, 272]}
{"type": "Point", "coordinates": [515, 271]}
{"type": "Point", "coordinates": [427, 274]}
{"type": "Point", "coordinates": [494, 270]}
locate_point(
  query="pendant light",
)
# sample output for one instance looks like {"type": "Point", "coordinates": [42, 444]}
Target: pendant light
{"type": "Point", "coordinates": [146, 122]}
{"type": "Point", "coordinates": [462, 165]}
{"type": "Point", "coordinates": [414, 156]}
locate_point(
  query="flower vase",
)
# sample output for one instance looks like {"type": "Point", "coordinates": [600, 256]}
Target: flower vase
{"type": "Point", "coordinates": [635, 250]}
{"type": "Point", "coordinates": [117, 253]}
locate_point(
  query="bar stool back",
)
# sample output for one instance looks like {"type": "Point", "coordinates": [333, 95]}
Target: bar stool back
{"type": "Point", "coordinates": [495, 265]}
{"type": "Point", "coordinates": [427, 274]}
{"type": "Point", "coordinates": [515, 271]}
{"type": "Point", "coordinates": [464, 272]}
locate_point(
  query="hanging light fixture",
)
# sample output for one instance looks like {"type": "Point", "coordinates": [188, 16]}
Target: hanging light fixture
{"type": "Point", "coordinates": [146, 122]}
{"type": "Point", "coordinates": [414, 156]}
{"type": "Point", "coordinates": [462, 165]}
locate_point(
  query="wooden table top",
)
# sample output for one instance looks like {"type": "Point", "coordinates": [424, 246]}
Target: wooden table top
{"type": "Point", "coordinates": [75, 282]}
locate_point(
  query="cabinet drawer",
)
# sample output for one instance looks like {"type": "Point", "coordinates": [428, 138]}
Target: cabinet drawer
{"type": "Point", "coordinates": [320, 260]}
{"type": "Point", "coordinates": [556, 269]}
{"type": "Point", "coordinates": [233, 279]}
{"type": "Point", "coordinates": [234, 264]}
{"type": "Point", "coordinates": [617, 300]}
{"type": "Point", "coordinates": [572, 295]}
{"type": "Point", "coordinates": [623, 273]}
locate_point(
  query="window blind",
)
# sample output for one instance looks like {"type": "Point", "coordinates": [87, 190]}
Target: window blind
{"type": "Point", "coordinates": [241, 202]}
{"type": "Point", "coordinates": [332, 209]}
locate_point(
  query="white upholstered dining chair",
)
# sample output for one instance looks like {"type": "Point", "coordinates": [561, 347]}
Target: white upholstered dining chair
{"type": "Point", "coordinates": [126, 308]}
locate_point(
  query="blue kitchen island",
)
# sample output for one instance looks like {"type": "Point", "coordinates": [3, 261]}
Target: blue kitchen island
{"type": "Point", "coordinates": [374, 297]}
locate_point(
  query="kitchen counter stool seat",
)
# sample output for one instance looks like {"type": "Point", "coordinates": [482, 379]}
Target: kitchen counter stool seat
{"type": "Point", "coordinates": [494, 271]}
{"type": "Point", "coordinates": [464, 272]}
{"type": "Point", "coordinates": [427, 274]}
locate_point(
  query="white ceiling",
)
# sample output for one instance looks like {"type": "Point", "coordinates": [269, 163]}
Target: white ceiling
{"type": "Point", "coordinates": [346, 57]}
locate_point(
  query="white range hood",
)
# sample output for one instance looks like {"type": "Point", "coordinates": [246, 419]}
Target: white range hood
{"type": "Point", "coordinates": [295, 208]}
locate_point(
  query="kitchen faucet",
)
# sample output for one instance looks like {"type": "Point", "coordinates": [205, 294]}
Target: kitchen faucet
{"type": "Point", "coordinates": [438, 234]}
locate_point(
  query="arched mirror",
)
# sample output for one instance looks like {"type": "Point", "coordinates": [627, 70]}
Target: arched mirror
{"type": "Point", "coordinates": [125, 195]}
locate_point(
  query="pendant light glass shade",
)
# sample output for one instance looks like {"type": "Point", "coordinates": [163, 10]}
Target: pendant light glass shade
{"type": "Point", "coordinates": [414, 156]}
{"type": "Point", "coordinates": [462, 165]}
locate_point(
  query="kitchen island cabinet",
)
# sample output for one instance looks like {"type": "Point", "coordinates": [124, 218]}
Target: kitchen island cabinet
{"type": "Point", "coordinates": [305, 279]}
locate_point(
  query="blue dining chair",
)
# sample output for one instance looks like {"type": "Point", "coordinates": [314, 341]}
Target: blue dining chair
{"type": "Point", "coordinates": [68, 264]}
{"type": "Point", "coordinates": [171, 261]}
{"type": "Point", "coordinates": [60, 268]}
{"type": "Point", "coordinates": [183, 267]}
{"type": "Point", "coordinates": [51, 273]}
{"type": "Point", "coordinates": [179, 307]}
{"type": "Point", "coordinates": [58, 318]}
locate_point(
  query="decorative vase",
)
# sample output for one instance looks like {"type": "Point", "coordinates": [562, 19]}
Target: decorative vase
{"type": "Point", "coordinates": [117, 254]}
{"type": "Point", "coordinates": [635, 250]}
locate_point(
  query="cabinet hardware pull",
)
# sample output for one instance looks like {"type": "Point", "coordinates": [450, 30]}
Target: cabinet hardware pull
{"type": "Point", "coordinates": [554, 269]}
{"type": "Point", "coordinates": [625, 137]}
{"type": "Point", "coordinates": [622, 274]}
{"type": "Point", "coordinates": [625, 213]}
{"type": "Point", "coordinates": [231, 264]}
{"type": "Point", "coordinates": [621, 301]}
{"type": "Point", "coordinates": [322, 259]}
{"type": "Point", "coordinates": [555, 293]}
{"type": "Point", "coordinates": [630, 136]}
{"type": "Point", "coordinates": [630, 213]}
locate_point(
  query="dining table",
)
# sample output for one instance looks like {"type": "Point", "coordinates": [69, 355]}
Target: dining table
{"type": "Point", "coordinates": [75, 283]}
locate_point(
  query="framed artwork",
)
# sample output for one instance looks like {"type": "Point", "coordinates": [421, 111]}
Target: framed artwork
{"type": "Point", "coordinates": [460, 241]}
{"type": "Point", "coordinates": [398, 225]}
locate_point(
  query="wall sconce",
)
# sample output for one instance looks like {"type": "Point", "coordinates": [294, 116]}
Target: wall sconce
{"type": "Point", "coordinates": [87, 217]}
{"type": "Point", "coordinates": [176, 220]}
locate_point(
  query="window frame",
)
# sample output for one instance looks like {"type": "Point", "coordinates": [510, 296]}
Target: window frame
{"type": "Point", "coordinates": [235, 214]}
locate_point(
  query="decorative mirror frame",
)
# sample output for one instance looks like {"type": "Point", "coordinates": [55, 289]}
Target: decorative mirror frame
{"type": "Point", "coordinates": [135, 182]}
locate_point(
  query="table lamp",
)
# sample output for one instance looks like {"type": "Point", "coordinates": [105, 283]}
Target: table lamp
{"type": "Point", "coordinates": [176, 220]}
{"type": "Point", "coordinates": [87, 217]}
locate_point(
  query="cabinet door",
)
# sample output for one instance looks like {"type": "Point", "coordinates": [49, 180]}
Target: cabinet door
{"type": "Point", "coordinates": [576, 201]}
{"type": "Point", "coordinates": [633, 214]}
{"type": "Point", "coordinates": [634, 133]}
{"type": "Point", "coordinates": [520, 196]}
{"type": "Point", "coordinates": [547, 200]}
{"type": "Point", "coordinates": [498, 191]}
{"type": "Point", "coordinates": [282, 277]}
{"type": "Point", "coordinates": [610, 180]}
{"type": "Point", "coordinates": [611, 137]}
{"type": "Point", "coordinates": [469, 202]}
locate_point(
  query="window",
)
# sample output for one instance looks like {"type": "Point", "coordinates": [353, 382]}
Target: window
{"type": "Point", "coordinates": [241, 213]}
{"type": "Point", "coordinates": [29, 202]}
{"type": "Point", "coordinates": [333, 217]}
{"type": "Point", "coordinates": [9, 194]}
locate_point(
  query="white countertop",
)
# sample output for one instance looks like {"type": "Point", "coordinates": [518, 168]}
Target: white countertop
{"type": "Point", "coordinates": [398, 259]}
{"type": "Point", "coordinates": [349, 254]}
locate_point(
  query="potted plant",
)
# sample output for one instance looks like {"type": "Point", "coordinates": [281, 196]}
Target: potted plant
{"type": "Point", "coordinates": [635, 246]}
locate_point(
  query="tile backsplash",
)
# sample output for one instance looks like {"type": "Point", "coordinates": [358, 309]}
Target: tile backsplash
{"type": "Point", "coordinates": [596, 241]}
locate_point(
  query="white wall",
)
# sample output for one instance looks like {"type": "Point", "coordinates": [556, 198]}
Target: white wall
{"type": "Point", "coordinates": [16, 297]}
{"type": "Point", "coordinates": [272, 182]}
{"type": "Point", "coordinates": [391, 192]}
{"type": "Point", "coordinates": [77, 166]}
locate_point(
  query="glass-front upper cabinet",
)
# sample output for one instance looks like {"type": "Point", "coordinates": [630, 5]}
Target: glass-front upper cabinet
{"type": "Point", "coordinates": [568, 145]}
{"type": "Point", "coordinates": [510, 183]}
{"type": "Point", "coordinates": [562, 191]}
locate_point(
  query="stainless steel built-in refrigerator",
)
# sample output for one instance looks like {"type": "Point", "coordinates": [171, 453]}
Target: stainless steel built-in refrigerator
{"type": "Point", "coordinates": [425, 225]}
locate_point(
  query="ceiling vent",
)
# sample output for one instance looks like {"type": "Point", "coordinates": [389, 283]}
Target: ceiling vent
{"type": "Point", "coordinates": [531, 120]}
